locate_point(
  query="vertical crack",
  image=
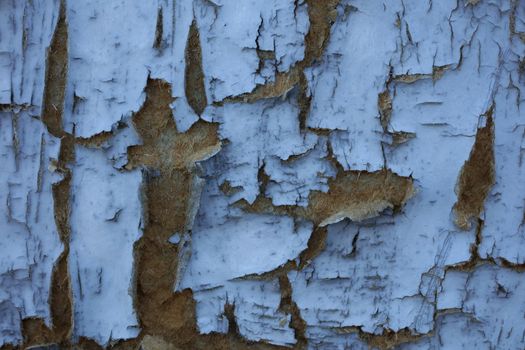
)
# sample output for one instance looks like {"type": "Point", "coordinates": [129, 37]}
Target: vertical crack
{"type": "Point", "coordinates": [477, 176]}
{"type": "Point", "coordinates": [60, 297]}
{"type": "Point", "coordinates": [289, 307]}
{"type": "Point", "coordinates": [322, 14]}
{"type": "Point", "coordinates": [384, 103]}
{"type": "Point", "coordinates": [193, 75]}
{"type": "Point", "coordinates": [170, 178]}
{"type": "Point", "coordinates": [159, 31]}
{"type": "Point", "coordinates": [304, 100]}
{"type": "Point", "coordinates": [233, 327]}
{"type": "Point", "coordinates": [56, 76]}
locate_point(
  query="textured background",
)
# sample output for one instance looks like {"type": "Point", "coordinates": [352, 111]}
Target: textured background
{"type": "Point", "coordinates": [262, 174]}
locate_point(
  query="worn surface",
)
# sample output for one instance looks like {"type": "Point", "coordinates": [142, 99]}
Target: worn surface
{"type": "Point", "coordinates": [284, 174]}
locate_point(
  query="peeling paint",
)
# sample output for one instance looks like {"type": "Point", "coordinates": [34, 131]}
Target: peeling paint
{"type": "Point", "coordinates": [286, 174]}
{"type": "Point", "coordinates": [477, 175]}
{"type": "Point", "coordinates": [56, 75]}
{"type": "Point", "coordinates": [194, 76]}
{"type": "Point", "coordinates": [354, 195]}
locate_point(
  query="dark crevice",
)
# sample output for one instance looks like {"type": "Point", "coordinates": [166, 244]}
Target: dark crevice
{"type": "Point", "coordinates": [56, 76]}
{"type": "Point", "coordinates": [159, 31]}
{"type": "Point", "coordinates": [194, 75]}
{"type": "Point", "coordinates": [288, 306]}
{"type": "Point", "coordinates": [60, 299]}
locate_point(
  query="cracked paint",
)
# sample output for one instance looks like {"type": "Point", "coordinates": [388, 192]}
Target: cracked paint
{"type": "Point", "coordinates": [297, 174]}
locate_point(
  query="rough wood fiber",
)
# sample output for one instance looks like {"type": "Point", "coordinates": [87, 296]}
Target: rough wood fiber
{"type": "Point", "coordinates": [281, 174]}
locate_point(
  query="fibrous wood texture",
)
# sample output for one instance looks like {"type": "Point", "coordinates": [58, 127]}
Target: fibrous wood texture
{"type": "Point", "coordinates": [262, 174]}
